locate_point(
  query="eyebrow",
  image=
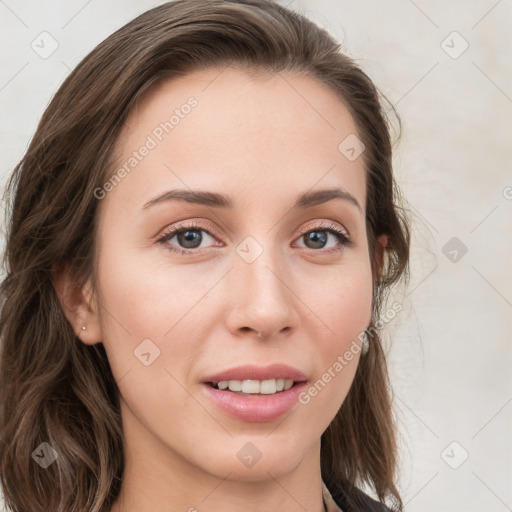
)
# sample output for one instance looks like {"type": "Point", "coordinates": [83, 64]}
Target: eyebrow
{"type": "Point", "coordinates": [216, 200]}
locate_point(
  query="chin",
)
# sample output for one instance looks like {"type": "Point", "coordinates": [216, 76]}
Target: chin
{"type": "Point", "coordinates": [260, 472]}
{"type": "Point", "coordinates": [252, 458]}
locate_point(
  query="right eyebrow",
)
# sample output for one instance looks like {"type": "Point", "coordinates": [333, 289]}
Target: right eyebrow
{"type": "Point", "coordinates": [193, 196]}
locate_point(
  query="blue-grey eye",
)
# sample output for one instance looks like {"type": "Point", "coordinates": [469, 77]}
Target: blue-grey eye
{"type": "Point", "coordinates": [318, 239]}
{"type": "Point", "coordinates": [190, 239]}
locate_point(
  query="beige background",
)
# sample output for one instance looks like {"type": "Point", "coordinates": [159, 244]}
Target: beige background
{"type": "Point", "coordinates": [450, 355]}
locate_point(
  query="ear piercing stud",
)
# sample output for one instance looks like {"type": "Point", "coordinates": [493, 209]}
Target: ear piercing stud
{"type": "Point", "coordinates": [365, 345]}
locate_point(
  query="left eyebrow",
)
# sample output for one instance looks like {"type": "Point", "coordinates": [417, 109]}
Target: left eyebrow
{"type": "Point", "coordinates": [214, 199]}
{"type": "Point", "coordinates": [315, 197]}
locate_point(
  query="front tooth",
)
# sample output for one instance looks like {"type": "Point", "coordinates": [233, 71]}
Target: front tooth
{"type": "Point", "coordinates": [268, 387]}
{"type": "Point", "coordinates": [235, 385]}
{"type": "Point", "coordinates": [250, 386]}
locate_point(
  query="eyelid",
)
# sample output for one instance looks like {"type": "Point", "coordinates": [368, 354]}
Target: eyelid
{"type": "Point", "coordinates": [202, 225]}
{"type": "Point", "coordinates": [319, 224]}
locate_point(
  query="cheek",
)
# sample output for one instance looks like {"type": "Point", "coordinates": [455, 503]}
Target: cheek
{"type": "Point", "coordinates": [152, 295]}
{"type": "Point", "coordinates": [343, 307]}
{"type": "Point", "coordinates": [152, 315]}
{"type": "Point", "coordinates": [348, 305]}
{"type": "Point", "coordinates": [342, 301]}
{"type": "Point", "coordinates": [146, 301]}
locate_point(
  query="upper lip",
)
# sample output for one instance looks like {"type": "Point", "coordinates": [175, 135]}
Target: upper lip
{"type": "Point", "coordinates": [251, 372]}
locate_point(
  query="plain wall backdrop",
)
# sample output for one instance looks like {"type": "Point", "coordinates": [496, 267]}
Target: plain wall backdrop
{"type": "Point", "coordinates": [446, 66]}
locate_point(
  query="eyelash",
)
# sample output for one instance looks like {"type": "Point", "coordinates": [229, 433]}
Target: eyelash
{"type": "Point", "coordinates": [341, 236]}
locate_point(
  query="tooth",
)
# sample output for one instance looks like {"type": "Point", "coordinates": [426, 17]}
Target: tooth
{"type": "Point", "coordinates": [250, 386]}
{"type": "Point", "coordinates": [268, 387]}
{"type": "Point", "coordinates": [235, 385]}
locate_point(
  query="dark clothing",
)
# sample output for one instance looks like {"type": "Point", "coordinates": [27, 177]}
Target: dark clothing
{"type": "Point", "coordinates": [353, 501]}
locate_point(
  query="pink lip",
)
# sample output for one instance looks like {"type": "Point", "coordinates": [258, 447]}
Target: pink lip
{"type": "Point", "coordinates": [256, 408]}
{"type": "Point", "coordinates": [250, 372]}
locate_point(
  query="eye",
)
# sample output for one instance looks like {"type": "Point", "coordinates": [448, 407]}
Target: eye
{"type": "Point", "coordinates": [318, 238]}
{"type": "Point", "coordinates": [189, 238]}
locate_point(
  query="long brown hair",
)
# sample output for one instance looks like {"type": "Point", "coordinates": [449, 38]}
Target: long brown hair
{"type": "Point", "coordinates": [56, 390]}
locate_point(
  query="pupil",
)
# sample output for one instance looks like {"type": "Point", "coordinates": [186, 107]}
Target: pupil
{"type": "Point", "coordinates": [318, 238]}
{"type": "Point", "coordinates": [190, 239]}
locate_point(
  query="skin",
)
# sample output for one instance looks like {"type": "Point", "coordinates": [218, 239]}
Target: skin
{"type": "Point", "coordinates": [261, 140]}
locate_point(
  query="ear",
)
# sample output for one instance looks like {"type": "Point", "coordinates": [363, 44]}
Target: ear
{"type": "Point", "coordinates": [380, 249]}
{"type": "Point", "coordinates": [79, 305]}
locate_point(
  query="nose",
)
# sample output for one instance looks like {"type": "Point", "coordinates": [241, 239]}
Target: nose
{"type": "Point", "coordinates": [261, 299]}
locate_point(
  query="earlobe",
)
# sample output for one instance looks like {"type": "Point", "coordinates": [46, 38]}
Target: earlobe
{"type": "Point", "coordinates": [78, 305]}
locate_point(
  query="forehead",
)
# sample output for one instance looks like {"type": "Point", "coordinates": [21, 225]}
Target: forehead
{"type": "Point", "coordinates": [247, 98]}
{"type": "Point", "coordinates": [224, 127]}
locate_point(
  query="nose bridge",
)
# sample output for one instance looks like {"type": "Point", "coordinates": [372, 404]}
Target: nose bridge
{"type": "Point", "coordinates": [262, 300]}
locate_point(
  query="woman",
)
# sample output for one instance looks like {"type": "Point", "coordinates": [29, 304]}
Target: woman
{"type": "Point", "coordinates": [201, 237]}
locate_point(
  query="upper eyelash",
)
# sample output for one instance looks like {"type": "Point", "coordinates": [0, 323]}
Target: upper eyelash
{"type": "Point", "coordinates": [342, 237]}
{"type": "Point", "coordinates": [178, 229]}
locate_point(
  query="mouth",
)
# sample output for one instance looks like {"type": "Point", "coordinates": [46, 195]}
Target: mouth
{"type": "Point", "coordinates": [254, 393]}
{"type": "Point", "coordinates": [254, 387]}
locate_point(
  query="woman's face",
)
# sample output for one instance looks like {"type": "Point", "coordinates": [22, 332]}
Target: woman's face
{"type": "Point", "coordinates": [256, 277]}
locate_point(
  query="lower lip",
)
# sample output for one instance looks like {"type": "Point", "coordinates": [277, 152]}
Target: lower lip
{"type": "Point", "coordinates": [255, 408]}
